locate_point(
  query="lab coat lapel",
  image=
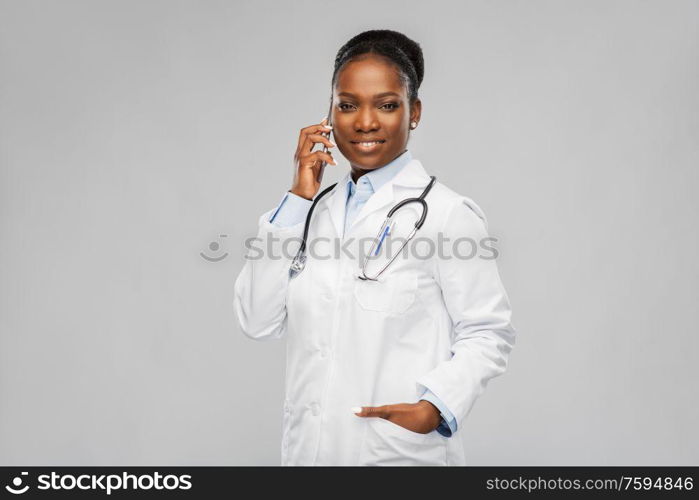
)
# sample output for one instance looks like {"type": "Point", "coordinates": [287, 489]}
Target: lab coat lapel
{"type": "Point", "coordinates": [411, 175]}
{"type": "Point", "coordinates": [335, 202]}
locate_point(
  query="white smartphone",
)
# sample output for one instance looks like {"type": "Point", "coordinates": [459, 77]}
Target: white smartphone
{"type": "Point", "coordinates": [325, 147]}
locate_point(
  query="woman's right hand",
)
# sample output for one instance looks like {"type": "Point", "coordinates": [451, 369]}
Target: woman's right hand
{"type": "Point", "coordinates": [308, 171]}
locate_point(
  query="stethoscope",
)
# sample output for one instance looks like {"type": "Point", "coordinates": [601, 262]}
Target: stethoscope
{"type": "Point", "coordinates": [299, 262]}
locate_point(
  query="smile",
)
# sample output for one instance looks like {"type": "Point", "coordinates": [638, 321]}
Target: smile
{"type": "Point", "coordinates": [367, 145]}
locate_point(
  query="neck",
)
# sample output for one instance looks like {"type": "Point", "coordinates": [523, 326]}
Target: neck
{"type": "Point", "coordinates": [357, 172]}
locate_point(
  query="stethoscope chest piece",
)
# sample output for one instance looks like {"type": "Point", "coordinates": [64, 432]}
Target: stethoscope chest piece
{"type": "Point", "coordinates": [297, 265]}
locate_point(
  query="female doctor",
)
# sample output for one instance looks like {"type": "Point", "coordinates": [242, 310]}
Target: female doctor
{"type": "Point", "coordinates": [384, 370]}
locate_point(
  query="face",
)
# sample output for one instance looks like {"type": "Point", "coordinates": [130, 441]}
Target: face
{"type": "Point", "coordinates": [370, 103]}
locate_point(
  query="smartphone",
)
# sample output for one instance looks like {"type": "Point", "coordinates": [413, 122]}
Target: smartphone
{"type": "Point", "coordinates": [325, 148]}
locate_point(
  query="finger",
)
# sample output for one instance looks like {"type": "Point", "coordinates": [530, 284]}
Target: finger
{"type": "Point", "coordinates": [317, 157]}
{"type": "Point", "coordinates": [316, 126]}
{"type": "Point", "coordinates": [315, 138]}
{"type": "Point", "coordinates": [303, 144]}
{"type": "Point", "coordinates": [372, 411]}
{"type": "Point", "coordinates": [312, 129]}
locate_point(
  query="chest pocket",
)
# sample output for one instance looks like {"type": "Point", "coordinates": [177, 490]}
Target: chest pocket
{"type": "Point", "coordinates": [393, 295]}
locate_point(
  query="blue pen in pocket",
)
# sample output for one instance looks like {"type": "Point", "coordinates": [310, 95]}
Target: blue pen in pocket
{"type": "Point", "coordinates": [386, 232]}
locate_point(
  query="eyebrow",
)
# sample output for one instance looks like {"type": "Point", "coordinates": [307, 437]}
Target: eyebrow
{"type": "Point", "coordinates": [376, 96]}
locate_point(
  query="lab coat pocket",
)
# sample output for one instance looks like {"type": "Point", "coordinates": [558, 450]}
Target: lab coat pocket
{"type": "Point", "coordinates": [395, 293]}
{"type": "Point", "coordinates": [387, 443]}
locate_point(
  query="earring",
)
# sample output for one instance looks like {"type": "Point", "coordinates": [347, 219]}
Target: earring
{"type": "Point", "coordinates": [413, 124]}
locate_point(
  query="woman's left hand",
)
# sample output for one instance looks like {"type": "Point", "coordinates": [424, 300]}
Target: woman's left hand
{"type": "Point", "coordinates": [421, 417]}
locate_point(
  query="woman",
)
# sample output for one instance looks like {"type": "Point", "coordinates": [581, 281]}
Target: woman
{"type": "Point", "coordinates": [384, 371]}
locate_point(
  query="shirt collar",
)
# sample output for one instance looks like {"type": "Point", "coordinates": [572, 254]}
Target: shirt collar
{"type": "Point", "coordinates": [380, 176]}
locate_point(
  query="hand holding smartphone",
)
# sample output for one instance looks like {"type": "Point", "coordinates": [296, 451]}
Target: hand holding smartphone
{"type": "Point", "coordinates": [308, 172]}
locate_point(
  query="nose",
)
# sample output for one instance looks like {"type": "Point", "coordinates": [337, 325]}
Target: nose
{"type": "Point", "coordinates": [366, 120]}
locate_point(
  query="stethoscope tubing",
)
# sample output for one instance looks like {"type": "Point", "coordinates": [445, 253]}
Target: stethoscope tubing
{"type": "Point", "coordinates": [387, 222]}
{"type": "Point", "coordinates": [299, 261]}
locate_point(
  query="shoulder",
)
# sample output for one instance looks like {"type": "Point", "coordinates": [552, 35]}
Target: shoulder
{"type": "Point", "coordinates": [449, 205]}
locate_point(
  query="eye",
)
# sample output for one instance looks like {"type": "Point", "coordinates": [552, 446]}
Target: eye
{"type": "Point", "coordinates": [343, 104]}
{"type": "Point", "coordinates": [392, 104]}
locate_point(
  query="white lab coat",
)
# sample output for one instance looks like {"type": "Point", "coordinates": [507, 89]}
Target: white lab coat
{"type": "Point", "coordinates": [436, 323]}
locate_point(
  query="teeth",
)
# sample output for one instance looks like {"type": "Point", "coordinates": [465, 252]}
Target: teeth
{"type": "Point", "coordinates": [369, 143]}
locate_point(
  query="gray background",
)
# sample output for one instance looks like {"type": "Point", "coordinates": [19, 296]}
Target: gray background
{"type": "Point", "coordinates": [133, 134]}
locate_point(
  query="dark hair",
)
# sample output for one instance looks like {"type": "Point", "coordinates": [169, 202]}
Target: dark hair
{"type": "Point", "coordinates": [405, 53]}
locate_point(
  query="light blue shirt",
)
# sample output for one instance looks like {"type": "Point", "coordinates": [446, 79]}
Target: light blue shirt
{"type": "Point", "coordinates": [293, 209]}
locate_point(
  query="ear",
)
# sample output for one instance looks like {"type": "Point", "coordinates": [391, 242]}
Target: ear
{"type": "Point", "coordinates": [415, 111]}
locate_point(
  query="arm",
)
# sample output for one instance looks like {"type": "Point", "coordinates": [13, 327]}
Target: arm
{"type": "Point", "coordinates": [483, 335]}
{"type": "Point", "coordinates": [260, 289]}
{"type": "Point", "coordinates": [447, 425]}
{"type": "Point", "coordinates": [291, 210]}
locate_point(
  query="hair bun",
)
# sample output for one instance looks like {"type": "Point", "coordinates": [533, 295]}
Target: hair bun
{"type": "Point", "coordinates": [410, 48]}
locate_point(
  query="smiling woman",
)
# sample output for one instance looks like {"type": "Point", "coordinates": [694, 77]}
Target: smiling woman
{"type": "Point", "coordinates": [375, 82]}
{"type": "Point", "coordinates": [416, 345]}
